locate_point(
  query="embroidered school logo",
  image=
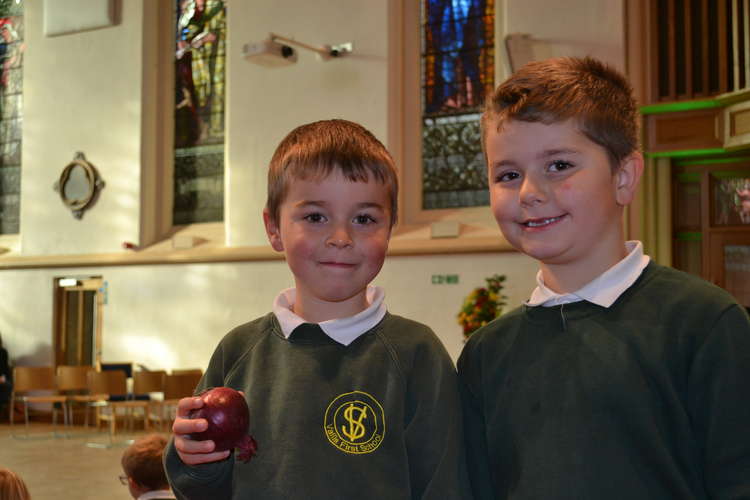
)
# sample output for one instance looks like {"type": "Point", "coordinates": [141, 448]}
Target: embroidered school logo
{"type": "Point", "coordinates": [355, 423]}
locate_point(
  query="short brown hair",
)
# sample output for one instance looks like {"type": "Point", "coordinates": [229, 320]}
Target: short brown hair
{"type": "Point", "coordinates": [142, 461]}
{"type": "Point", "coordinates": [315, 150]}
{"type": "Point", "coordinates": [555, 90]}
{"type": "Point", "coordinates": [12, 486]}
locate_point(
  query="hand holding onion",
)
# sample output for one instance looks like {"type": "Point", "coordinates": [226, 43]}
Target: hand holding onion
{"type": "Point", "coordinates": [192, 445]}
{"type": "Point", "coordinates": [228, 418]}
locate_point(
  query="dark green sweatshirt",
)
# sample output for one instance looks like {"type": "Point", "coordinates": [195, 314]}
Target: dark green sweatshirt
{"type": "Point", "coordinates": [378, 419]}
{"type": "Point", "coordinates": [647, 399]}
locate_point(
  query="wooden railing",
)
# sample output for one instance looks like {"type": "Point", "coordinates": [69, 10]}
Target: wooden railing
{"type": "Point", "coordinates": [701, 48]}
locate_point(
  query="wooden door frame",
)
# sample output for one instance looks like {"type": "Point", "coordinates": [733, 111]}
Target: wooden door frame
{"type": "Point", "coordinates": [89, 283]}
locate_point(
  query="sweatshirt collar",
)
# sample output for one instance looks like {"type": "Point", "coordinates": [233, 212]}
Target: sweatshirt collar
{"type": "Point", "coordinates": [603, 290]}
{"type": "Point", "coordinates": [342, 330]}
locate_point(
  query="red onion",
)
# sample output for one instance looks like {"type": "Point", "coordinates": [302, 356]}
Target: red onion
{"type": "Point", "coordinates": [228, 419]}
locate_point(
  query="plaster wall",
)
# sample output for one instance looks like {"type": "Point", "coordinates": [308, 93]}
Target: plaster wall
{"type": "Point", "coordinates": [82, 92]}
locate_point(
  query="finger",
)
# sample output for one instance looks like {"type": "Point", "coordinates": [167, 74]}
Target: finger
{"type": "Point", "coordinates": [189, 426]}
{"type": "Point", "coordinates": [203, 457]}
{"type": "Point", "coordinates": [186, 404]}
{"type": "Point", "coordinates": [191, 446]}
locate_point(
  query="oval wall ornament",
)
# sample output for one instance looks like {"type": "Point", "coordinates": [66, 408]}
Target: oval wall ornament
{"type": "Point", "coordinates": [79, 185]}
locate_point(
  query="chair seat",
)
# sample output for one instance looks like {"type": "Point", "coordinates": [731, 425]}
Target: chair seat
{"type": "Point", "coordinates": [43, 399]}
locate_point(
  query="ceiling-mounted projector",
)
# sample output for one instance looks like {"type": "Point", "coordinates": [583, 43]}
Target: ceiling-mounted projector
{"type": "Point", "coordinates": [269, 53]}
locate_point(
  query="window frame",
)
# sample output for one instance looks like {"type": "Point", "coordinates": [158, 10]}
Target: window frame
{"type": "Point", "coordinates": [477, 227]}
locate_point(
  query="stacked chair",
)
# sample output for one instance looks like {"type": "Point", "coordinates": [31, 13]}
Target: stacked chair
{"type": "Point", "coordinates": [33, 379]}
{"type": "Point", "coordinates": [177, 385]}
{"type": "Point", "coordinates": [72, 381]}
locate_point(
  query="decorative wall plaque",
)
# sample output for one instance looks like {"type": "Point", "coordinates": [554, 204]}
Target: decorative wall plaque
{"type": "Point", "coordinates": [79, 185]}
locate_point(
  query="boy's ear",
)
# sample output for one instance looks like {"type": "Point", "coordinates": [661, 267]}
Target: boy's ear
{"type": "Point", "coordinates": [627, 178]}
{"type": "Point", "coordinates": [272, 231]}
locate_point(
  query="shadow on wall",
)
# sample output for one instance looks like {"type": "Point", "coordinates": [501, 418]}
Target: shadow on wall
{"type": "Point", "coordinates": [41, 356]}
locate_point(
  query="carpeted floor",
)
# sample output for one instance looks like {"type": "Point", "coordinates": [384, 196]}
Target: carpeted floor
{"type": "Point", "coordinates": [82, 466]}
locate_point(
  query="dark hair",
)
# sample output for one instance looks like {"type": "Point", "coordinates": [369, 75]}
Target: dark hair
{"type": "Point", "coordinates": [584, 89]}
{"type": "Point", "coordinates": [142, 461]}
{"type": "Point", "coordinates": [314, 150]}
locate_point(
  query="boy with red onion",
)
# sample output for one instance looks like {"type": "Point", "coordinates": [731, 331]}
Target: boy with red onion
{"type": "Point", "coordinates": [346, 400]}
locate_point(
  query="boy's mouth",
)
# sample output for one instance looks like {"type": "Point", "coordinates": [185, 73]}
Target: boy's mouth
{"type": "Point", "coordinates": [541, 222]}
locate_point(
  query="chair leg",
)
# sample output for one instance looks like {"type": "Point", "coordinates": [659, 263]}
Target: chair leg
{"type": "Point", "coordinates": [26, 416]}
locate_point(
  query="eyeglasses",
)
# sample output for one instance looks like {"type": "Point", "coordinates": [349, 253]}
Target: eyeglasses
{"type": "Point", "coordinates": [123, 479]}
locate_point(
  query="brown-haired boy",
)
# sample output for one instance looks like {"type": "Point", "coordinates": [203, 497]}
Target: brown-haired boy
{"type": "Point", "coordinates": [346, 400]}
{"type": "Point", "coordinates": [144, 472]}
{"type": "Point", "coordinates": [619, 378]}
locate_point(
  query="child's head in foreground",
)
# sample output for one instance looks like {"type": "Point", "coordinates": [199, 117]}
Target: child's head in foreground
{"type": "Point", "coordinates": [560, 139]}
{"type": "Point", "coordinates": [12, 486]}
{"type": "Point", "coordinates": [332, 201]}
{"type": "Point", "coordinates": [142, 464]}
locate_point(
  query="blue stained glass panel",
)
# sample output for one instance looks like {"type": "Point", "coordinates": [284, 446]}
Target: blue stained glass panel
{"type": "Point", "coordinates": [457, 73]}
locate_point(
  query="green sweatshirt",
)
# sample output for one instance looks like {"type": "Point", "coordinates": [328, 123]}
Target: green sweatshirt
{"type": "Point", "coordinates": [647, 399]}
{"type": "Point", "coordinates": [378, 419]}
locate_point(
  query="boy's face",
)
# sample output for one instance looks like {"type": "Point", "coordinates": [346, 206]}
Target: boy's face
{"type": "Point", "coordinates": [335, 235]}
{"type": "Point", "coordinates": [554, 194]}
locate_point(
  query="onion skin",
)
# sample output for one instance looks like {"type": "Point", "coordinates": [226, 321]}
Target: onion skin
{"type": "Point", "coordinates": [228, 419]}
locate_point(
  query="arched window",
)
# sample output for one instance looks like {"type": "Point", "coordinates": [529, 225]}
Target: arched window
{"type": "Point", "coordinates": [11, 118]}
{"type": "Point", "coordinates": [200, 61]}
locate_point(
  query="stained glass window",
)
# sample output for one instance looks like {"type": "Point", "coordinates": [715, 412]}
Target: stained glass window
{"type": "Point", "coordinates": [458, 65]}
{"type": "Point", "coordinates": [200, 58]}
{"type": "Point", "coordinates": [11, 118]}
{"type": "Point", "coordinates": [731, 198]}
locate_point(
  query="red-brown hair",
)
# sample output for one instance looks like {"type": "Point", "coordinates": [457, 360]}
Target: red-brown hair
{"type": "Point", "coordinates": [142, 461]}
{"type": "Point", "coordinates": [315, 150]}
{"type": "Point", "coordinates": [594, 94]}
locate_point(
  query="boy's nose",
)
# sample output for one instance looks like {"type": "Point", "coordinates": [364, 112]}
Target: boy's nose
{"type": "Point", "coordinates": [339, 238]}
{"type": "Point", "coordinates": [532, 192]}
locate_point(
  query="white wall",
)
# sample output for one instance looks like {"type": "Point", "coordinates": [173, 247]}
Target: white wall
{"type": "Point", "coordinates": [83, 92]}
{"type": "Point", "coordinates": [570, 28]}
{"type": "Point", "coordinates": [173, 316]}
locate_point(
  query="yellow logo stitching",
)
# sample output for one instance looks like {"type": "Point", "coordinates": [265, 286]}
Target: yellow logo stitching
{"type": "Point", "coordinates": [356, 429]}
{"type": "Point", "coordinates": [355, 423]}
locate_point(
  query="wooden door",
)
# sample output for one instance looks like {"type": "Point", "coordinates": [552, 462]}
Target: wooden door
{"type": "Point", "coordinates": [78, 320]}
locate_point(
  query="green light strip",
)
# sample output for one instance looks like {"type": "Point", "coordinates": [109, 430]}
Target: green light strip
{"type": "Point", "coordinates": [688, 236]}
{"type": "Point", "coordinates": [714, 161]}
{"type": "Point", "coordinates": [673, 107]}
{"type": "Point", "coordinates": [686, 153]}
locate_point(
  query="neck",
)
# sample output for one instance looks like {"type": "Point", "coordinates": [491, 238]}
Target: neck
{"type": "Point", "coordinates": [567, 277]}
{"type": "Point", "coordinates": [315, 310]}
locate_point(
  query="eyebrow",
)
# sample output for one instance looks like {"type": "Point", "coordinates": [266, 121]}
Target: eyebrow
{"type": "Point", "coordinates": [321, 203]}
{"type": "Point", "coordinates": [547, 153]}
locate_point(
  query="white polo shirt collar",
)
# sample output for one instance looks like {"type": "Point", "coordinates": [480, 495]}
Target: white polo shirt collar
{"type": "Point", "coordinates": [604, 290]}
{"type": "Point", "coordinates": [343, 330]}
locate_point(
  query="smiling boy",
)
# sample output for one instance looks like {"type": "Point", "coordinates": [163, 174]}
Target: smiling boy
{"type": "Point", "coordinates": [619, 378]}
{"type": "Point", "coordinates": [346, 400]}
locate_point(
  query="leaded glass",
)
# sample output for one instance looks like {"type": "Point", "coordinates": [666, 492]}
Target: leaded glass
{"type": "Point", "coordinates": [457, 73]}
{"type": "Point", "coordinates": [200, 59]}
{"type": "Point", "coordinates": [11, 107]}
{"type": "Point", "coordinates": [731, 198]}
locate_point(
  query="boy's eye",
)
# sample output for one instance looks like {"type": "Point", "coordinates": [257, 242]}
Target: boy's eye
{"type": "Point", "coordinates": [315, 218]}
{"type": "Point", "coordinates": [560, 165]}
{"type": "Point", "coordinates": [507, 176]}
{"type": "Point", "coordinates": [364, 219]}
